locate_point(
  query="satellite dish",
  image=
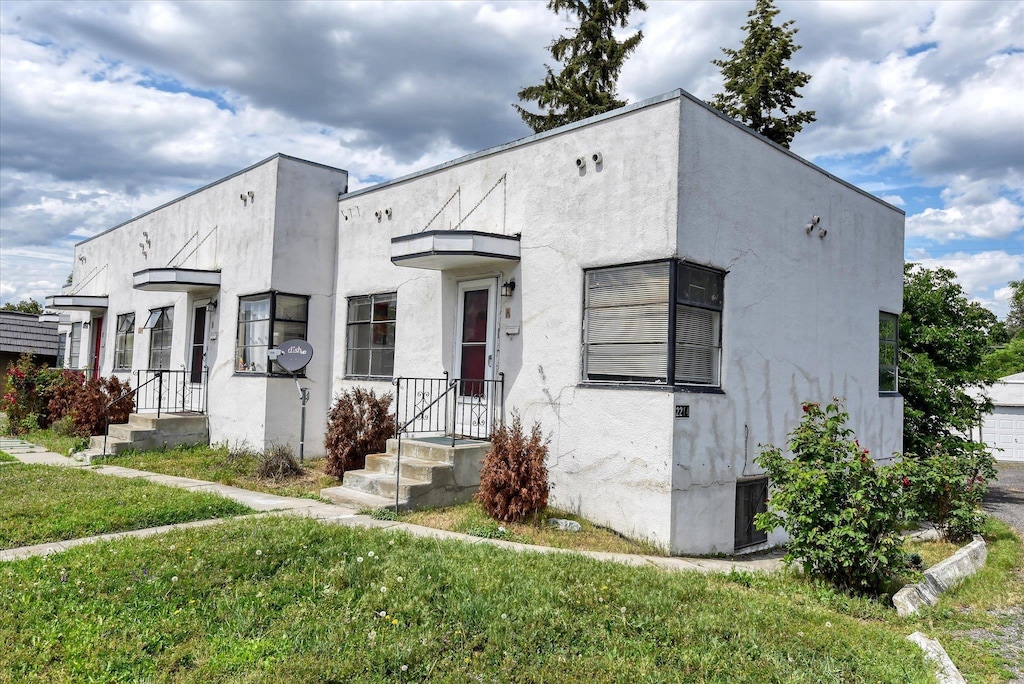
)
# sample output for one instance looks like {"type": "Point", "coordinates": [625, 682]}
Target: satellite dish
{"type": "Point", "coordinates": [294, 355]}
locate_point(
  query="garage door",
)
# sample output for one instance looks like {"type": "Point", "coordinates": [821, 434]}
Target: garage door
{"type": "Point", "coordinates": [1003, 430]}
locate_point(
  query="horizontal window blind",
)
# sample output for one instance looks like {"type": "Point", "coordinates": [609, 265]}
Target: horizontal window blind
{"type": "Point", "coordinates": [698, 345]}
{"type": "Point", "coordinates": [626, 323]}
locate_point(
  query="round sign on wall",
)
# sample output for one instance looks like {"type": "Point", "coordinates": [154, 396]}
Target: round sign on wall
{"type": "Point", "coordinates": [295, 354]}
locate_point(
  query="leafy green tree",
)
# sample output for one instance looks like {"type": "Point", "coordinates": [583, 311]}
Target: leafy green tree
{"type": "Point", "coordinates": [25, 306]}
{"type": "Point", "coordinates": [759, 87]}
{"type": "Point", "coordinates": [591, 58]}
{"type": "Point", "coordinates": [1006, 360]}
{"type": "Point", "coordinates": [1015, 319]}
{"type": "Point", "coordinates": [943, 340]}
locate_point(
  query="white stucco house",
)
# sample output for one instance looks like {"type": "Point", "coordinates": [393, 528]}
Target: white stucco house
{"type": "Point", "coordinates": [658, 286]}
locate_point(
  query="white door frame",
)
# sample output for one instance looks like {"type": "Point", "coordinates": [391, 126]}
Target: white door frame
{"type": "Point", "coordinates": [491, 285]}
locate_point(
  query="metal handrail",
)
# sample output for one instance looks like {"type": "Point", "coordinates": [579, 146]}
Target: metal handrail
{"type": "Point", "coordinates": [483, 409]}
{"type": "Point", "coordinates": [106, 425]}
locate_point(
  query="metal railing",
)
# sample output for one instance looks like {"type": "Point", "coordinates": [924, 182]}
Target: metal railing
{"type": "Point", "coordinates": [459, 407]}
{"type": "Point", "coordinates": [124, 395]}
{"type": "Point", "coordinates": [451, 407]}
{"type": "Point", "coordinates": [170, 391]}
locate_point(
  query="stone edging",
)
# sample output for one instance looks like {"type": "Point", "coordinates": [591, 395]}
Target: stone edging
{"type": "Point", "coordinates": [946, 671]}
{"type": "Point", "coordinates": [941, 577]}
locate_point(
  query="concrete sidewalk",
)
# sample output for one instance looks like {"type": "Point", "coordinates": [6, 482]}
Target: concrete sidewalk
{"type": "Point", "coordinates": [333, 513]}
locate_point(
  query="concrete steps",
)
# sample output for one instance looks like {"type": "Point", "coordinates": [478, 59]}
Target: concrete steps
{"type": "Point", "coordinates": [433, 473]}
{"type": "Point", "coordinates": [146, 431]}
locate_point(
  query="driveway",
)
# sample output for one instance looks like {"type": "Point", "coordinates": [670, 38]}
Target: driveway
{"type": "Point", "coordinates": [1005, 499]}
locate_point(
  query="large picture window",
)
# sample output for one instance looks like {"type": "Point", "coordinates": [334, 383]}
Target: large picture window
{"type": "Point", "coordinates": [124, 342]}
{"type": "Point", "coordinates": [265, 321]}
{"type": "Point", "coordinates": [371, 335]}
{"type": "Point", "coordinates": [888, 346]}
{"type": "Point", "coordinates": [657, 322]}
{"type": "Point", "coordinates": [159, 324]}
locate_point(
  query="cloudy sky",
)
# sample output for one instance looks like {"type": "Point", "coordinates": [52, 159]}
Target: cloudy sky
{"type": "Point", "coordinates": [108, 109]}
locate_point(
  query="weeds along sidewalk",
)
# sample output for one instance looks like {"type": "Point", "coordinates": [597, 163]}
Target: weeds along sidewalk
{"type": "Point", "coordinates": [343, 515]}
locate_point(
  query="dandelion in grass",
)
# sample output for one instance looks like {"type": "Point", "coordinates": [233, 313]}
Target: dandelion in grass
{"type": "Point", "coordinates": [394, 621]}
{"type": "Point", "coordinates": [399, 578]}
{"type": "Point", "coordinates": [383, 590]}
{"type": "Point", "coordinates": [370, 554]}
{"type": "Point", "coordinates": [622, 609]}
{"type": "Point", "coordinates": [174, 580]}
{"type": "Point", "coordinates": [259, 552]}
{"type": "Point", "coordinates": [371, 635]}
{"type": "Point", "coordinates": [359, 559]}
{"type": "Point", "coordinates": [504, 616]}
{"type": "Point", "coordinates": [392, 543]}
{"type": "Point", "coordinates": [405, 668]}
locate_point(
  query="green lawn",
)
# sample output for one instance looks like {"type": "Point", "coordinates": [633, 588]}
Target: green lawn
{"type": "Point", "coordinates": [6, 457]}
{"type": "Point", "coordinates": [44, 504]}
{"type": "Point", "coordinates": [231, 467]}
{"type": "Point", "coordinates": [58, 444]}
{"type": "Point", "coordinates": [295, 600]}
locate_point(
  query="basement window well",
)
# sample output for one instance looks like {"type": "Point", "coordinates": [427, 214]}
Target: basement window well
{"type": "Point", "coordinates": [653, 323]}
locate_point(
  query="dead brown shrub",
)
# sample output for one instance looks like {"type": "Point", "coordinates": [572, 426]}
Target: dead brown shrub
{"type": "Point", "coordinates": [359, 423]}
{"type": "Point", "coordinates": [514, 479]}
{"type": "Point", "coordinates": [88, 405]}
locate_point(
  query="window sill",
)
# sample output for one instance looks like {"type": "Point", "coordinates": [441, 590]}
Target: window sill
{"type": "Point", "coordinates": [889, 394]}
{"type": "Point", "coordinates": [246, 374]}
{"type": "Point", "coordinates": [689, 389]}
{"type": "Point", "coordinates": [369, 378]}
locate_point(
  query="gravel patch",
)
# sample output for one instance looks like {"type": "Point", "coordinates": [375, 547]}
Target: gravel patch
{"type": "Point", "coordinates": [1006, 639]}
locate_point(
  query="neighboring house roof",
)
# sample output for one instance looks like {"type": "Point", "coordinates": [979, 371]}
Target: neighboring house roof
{"type": "Point", "coordinates": [1008, 391]}
{"type": "Point", "coordinates": [22, 332]}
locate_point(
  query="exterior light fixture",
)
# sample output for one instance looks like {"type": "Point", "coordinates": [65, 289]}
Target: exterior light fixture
{"type": "Point", "coordinates": [212, 306]}
{"type": "Point", "coordinates": [508, 288]}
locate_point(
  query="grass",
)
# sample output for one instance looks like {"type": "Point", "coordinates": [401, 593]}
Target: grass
{"type": "Point", "coordinates": [235, 467]}
{"type": "Point", "coordinates": [289, 600]}
{"type": "Point", "coordinates": [932, 552]}
{"type": "Point", "coordinates": [470, 518]}
{"type": "Point", "coordinates": [6, 457]}
{"type": "Point", "coordinates": [51, 441]}
{"type": "Point", "coordinates": [45, 504]}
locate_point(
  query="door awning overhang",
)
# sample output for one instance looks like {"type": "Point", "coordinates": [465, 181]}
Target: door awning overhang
{"type": "Point", "coordinates": [77, 302]}
{"type": "Point", "coordinates": [176, 280]}
{"type": "Point", "coordinates": [444, 250]}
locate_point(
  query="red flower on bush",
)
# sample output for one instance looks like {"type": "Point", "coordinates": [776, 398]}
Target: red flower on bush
{"type": "Point", "coordinates": [905, 482]}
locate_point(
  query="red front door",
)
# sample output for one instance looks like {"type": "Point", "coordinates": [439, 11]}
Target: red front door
{"type": "Point", "coordinates": [97, 346]}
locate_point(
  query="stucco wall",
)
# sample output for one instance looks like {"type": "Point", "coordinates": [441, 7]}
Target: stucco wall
{"type": "Point", "coordinates": [800, 320]}
{"type": "Point", "coordinates": [214, 229]}
{"type": "Point", "coordinates": [610, 451]}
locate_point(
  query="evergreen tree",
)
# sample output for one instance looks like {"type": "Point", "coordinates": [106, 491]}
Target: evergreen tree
{"type": "Point", "coordinates": [758, 84]}
{"type": "Point", "coordinates": [591, 60]}
{"type": "Point", "coordinates": [1015, 319]}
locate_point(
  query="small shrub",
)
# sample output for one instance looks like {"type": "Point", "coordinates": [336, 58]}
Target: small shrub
{"type": "Point", "coordinates": [63, 392]}
{"type": "Point", "coordinates": [89, 405]}
{"type": "Point", "coordinates": [514, 479]}
{"type": "Point", "coordinates": [29, 423]}
{"type": "Point", "coordinates": [65, 426]}
{"type": "Point", "coordinates": [843, 513]}
{"type": "Point", "coordinates": [383, 514]}
{"type": "Point", "coordinates": [359, 423]}
{"type": "Point", "coordinates": [948, 488]}
{"type": "Point", "coordinates": [278, 463]}
{"type": "Point", "coordinates": [29, 388]}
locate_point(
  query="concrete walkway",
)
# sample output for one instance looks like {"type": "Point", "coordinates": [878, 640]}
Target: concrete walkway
{"type": "Point", "coordinates": [331, 513]}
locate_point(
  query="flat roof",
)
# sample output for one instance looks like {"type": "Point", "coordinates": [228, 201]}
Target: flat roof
{"type": "Point", "coordinates": [210, 185]}
{"type": "Point", "coordinates": [676, 94]}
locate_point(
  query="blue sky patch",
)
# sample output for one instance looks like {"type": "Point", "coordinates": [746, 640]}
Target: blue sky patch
{"type": "Point", "coordinates": [169, 84]}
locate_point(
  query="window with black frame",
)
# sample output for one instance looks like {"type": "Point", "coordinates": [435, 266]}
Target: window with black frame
{"type": "Point", "coordinates": [76, 346]}
{"type": "Point", "coordinates": [160, 324]}
{"type": "Point", "coordinates": [371, 335]}
{"type": "Point", "coordinates": [635, 333]}
{"type": "Point", "coordinates": [265, 321]}
{"type": "Point", "coordinates": [888, 347]}
{"type": "Point", "coordinates": [124, 342]}
{"type": "Point", "coordinates": [62, 347]}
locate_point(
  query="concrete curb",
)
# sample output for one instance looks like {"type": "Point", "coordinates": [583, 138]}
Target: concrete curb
{"type": "Point", "coordinates": [941, 577]}
{"type": "Point", "coordinates": [933, 651]}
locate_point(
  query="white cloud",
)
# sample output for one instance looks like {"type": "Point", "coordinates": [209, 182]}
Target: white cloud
{"type": "Point", "coordinates": [997, 218]}
{"type": "Point", "coordinates": [984, 276]}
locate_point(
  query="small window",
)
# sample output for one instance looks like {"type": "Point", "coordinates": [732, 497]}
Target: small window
{"type": "Point", "coordinates": [265, 321]}
{"type": "Point", "coordinates": [633, 332]}
{"type": "Point", "coordinates": [76, 346]}
{"type": "Point", "coordinates": [62, 347]}
{"type": "Point", "coordinates": [888, 348]}
{"type": "Point", "coordinates": [159, 324]}
{"type": "Point", "coordinates": [124, 342]}
{"type": "Point", "coordinates": [371, 335]}
{"type": "Point", "coordinates": [751, 499]}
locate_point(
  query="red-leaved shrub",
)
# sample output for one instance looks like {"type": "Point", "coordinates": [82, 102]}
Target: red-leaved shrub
{"type": "Point", "coordinates": [359, 423]}
{"type": "Point", "coordinates": [514, 479]}
{"type": "Point", "coordinates": [89, 405]}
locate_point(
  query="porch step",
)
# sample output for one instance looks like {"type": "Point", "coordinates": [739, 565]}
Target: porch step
{"type": "Point", "coordinates": [433, 473]}
{"type": "Point", "coordinates": [146, 431]}
{"type": "Point", "coordinates": [354, 498]}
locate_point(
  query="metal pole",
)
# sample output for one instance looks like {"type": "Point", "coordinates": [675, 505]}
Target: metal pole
{"type": "Point", "coordinates": [159, 392]}
{"type": "Point", "coordinates": [303, 397]}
